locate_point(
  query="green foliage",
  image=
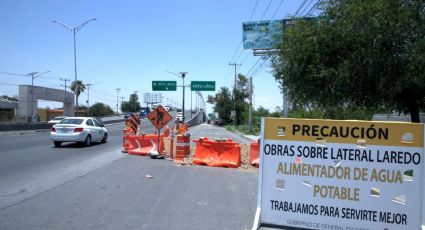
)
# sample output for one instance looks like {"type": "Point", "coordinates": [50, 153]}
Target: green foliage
{"type": "Point", "coordinates": [223, 102]}
{"type": "Point", "coordinates": [100, 109]}
{"type": "Point", "coordinates": [10, 98]}
{"type": "Point", "coordinates": [244, 129]}
{"type": "Point", "coordinates": [337, 113]}
{"type": "Point", "coordinates": [359, 54]}
{"type": "Point", "coordinates": [6, 115]}
{"type": "Point", "coordinates": [77, 87]}
{"type": "Point", "coordinates": [133, 105]}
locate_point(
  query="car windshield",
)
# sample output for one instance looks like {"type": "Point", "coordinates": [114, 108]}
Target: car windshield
{"type": "Point", "coordinates": [58, 118]}
{"type": "Point", "coordinates": [73, 121]}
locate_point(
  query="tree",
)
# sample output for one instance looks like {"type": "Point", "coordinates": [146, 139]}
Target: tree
{"type": "Point", "coordinates": [222, 102]}
{"type": "Point", "coordinates": [77, 87]}
{"type": "Point", "coordinates": [367, 54]}
{"type": "Point", "coordinates": [241, 95]}
{"type": "Point", "coordinates": [100, 109]}
{"type": "Point", "coordinates": [133, 105]}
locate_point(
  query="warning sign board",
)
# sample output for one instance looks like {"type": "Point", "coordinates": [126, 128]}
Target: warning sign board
{"type": "Point", "coordinates": [159, 117]}
{"type": "Point", "coordinates": [327, 174]}
{"type": "Point", "coordinates": [134, 122]}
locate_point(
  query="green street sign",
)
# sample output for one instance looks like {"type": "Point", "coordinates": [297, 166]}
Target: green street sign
{"type": "Point", "coordinates": [164, 85]}
{"type": "Point", "coordinates": [202, 85]}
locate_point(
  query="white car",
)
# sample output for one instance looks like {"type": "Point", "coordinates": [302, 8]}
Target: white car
{"type": "Point", "coordinates": [179, 116]}
{"type": "Point", "coordinates": [56, 120]}
{"type": "Point", "coordinates": [79, 129]}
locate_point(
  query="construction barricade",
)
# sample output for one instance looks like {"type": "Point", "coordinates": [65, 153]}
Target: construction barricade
{"type": "Point", "coordinates": [125, 142]}
{"type": "Point", "coordinates": [217, 153]}
{"type": "Point", "coordinates": [145, 144]}
{"type": "Point", "coordinates": [166, 132]}
{"type": "Point", "coordinates": [182, 147]}
{"type": "Point", "coordinates": [254, 152]}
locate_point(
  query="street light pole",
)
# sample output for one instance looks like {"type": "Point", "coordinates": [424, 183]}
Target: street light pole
{"type": "Point", "coordinates": [33, 76]}
{"type": "Point", "coordinates": [184, 86]}
{"type": "Point", "coordinates": [74, 30]}
{"type": "Point", "coordinates": [118, 93]}
{"type": "Point", "coordinates": [183, 75]}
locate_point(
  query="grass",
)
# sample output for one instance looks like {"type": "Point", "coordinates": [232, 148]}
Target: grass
{"type": "Point", "coordinates": [243, 129]}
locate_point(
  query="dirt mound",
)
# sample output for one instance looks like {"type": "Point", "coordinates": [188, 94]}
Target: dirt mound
{"type": "Point", "coordinates": [188, 160]}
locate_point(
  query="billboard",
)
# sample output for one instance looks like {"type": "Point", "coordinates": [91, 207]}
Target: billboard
{"type": "Point", "coordinates": [266, 34]}
{"type": "Point", "coordinates": [328, 174]}
{"type": "Point", "coordinates": [261, 34]}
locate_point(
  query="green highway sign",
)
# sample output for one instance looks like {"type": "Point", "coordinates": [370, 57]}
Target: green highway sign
{"type": "Point", "coordinates": [202, 85]}
{"type": "Point", "coordinates": [164, 85]}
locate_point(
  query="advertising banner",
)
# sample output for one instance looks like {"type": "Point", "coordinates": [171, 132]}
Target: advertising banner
{"type": "Point", "coordinates": [262, 34]}
{"type": "Point", "coordinates": [350, 175]}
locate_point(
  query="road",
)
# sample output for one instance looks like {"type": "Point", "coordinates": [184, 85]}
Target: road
{"type": "Point", "coordinates": [43, 187]}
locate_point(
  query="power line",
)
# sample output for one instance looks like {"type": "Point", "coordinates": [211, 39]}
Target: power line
{"type": "Point", "coordinates": [256, 63]}
{"type": "Point", "coordinates": [274, 14]}
{"type": "Point", "coordinates": [255, 7]}
{"type": "Point", "coordinates": [267, 9]}
{"type": "Point", "coordinates": [311, 1]}
{"type": "Point", "coordinates": [9, 84]}
{"type": "Point", "coordinates": [104, 94]}
{"type": "Point", "coordinates": [13, 74]}
{"type": "Point", "coordinates": [277, 9]}
{"type": "Point", "coordinates": [300, 7]}
{"type": "Point", "coordinates": [314, 7]}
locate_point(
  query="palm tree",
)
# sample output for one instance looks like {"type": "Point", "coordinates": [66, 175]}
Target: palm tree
{"type": "Point", "coordinates": [77, 87]}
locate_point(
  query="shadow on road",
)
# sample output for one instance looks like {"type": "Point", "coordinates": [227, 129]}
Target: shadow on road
{"type": "Point", "coordinates": [74, 145]}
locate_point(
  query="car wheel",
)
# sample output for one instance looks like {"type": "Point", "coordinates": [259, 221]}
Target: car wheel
{"type": "Point", "coordinates": [87, 142]}
{"type": "Point", "coordinates": [57, 143]}
{"type": "Point", "coordinates": [105, 138]}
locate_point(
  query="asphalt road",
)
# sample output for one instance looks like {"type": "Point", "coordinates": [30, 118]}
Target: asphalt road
{"type": "Point", "coordinates": [72, 187]}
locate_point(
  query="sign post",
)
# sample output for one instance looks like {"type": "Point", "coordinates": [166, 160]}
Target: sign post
{"type": "Point", "coordinates": [328, 174]}
{"type": "Point", "coordinates": [159, 117]}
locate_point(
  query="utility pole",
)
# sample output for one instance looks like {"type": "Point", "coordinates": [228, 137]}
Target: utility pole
{"type": "Point", "coordinates": [284, 103]}
{"type": "Point", "coordinates": [118, 93]}
{"type": "Point", "coordinates": [234, 95]}
{"type": "Point", "coordinates": [65, 80]}
{"type": "Point", "coordinates": [34, 75]}
{"type": "Point", "coordinates": [122, 99]}
{"type": "Point", "coordinates": [250, 105]}
{"type": "Point", "coordinates": [88, 92]}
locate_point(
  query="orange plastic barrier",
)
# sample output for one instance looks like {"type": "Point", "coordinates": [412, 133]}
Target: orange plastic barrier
{"type": "Point", "coordinates": [125, 141]}
{"type": "Point", "coordinates": [255, 153]}
{"type": "Point", "coordinates": [217, 153]}
{"type": "Point", "coordinates": [166, 132]}
{"type": "Point", "coordinates": [171, 147]}
{"type": "Point", "coordinates": [182, 146]}
{"type": "Point", "coordinates": [142, 145]}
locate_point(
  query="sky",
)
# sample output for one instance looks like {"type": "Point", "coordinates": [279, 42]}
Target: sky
{"type": "Point", "coordinates": [135, 42]}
